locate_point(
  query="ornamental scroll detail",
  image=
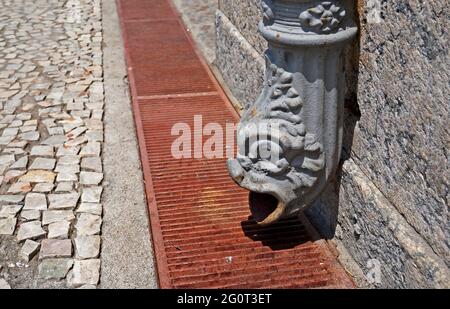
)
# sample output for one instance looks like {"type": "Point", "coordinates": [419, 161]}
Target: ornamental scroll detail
{"type": "Point", "coordinates": [300, 156]}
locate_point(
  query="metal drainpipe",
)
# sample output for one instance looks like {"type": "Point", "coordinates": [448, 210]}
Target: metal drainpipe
{"type": "Point", "coordinates": [290, 139]}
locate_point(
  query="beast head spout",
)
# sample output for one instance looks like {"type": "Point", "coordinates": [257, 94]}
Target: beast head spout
{"type": "Point", "coordinates": [290, 139]}
{"type": "Point", "coordinates": [278, 160]}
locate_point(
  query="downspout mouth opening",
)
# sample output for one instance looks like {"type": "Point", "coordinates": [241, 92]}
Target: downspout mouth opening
{"type": "Point", "coordinates": [265, 208]}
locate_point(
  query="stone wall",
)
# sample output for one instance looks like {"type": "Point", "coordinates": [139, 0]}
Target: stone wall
{"type": "Point", "coordinates": [389, 201]}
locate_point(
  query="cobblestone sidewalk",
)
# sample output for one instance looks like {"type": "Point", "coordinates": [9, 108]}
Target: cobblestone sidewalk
{"type": "Point", "coordinates": [51, 136]}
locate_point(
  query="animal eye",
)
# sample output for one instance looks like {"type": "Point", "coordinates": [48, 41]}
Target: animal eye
{"type": "Point", "coordinates": [277, 92]}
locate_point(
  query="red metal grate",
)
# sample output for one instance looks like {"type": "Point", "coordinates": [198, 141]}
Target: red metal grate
{"type": "Point", "coordinates": [163, 59]}
{"type": "Point", "coordinates": [133, 10]}
{"type": "Point", "coordinates": [202, 232]}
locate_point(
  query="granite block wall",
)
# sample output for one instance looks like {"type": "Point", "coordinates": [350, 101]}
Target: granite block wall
{"type": "Point", "coordinates": [390, 200]}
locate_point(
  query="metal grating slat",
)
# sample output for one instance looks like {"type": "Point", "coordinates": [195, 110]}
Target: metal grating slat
{"type": "Point", "coordinates": [162, 57]}
{"type": "Point", "coordinates": [134, 10]}
{"type": "Point", "coordinates": [202, 232]}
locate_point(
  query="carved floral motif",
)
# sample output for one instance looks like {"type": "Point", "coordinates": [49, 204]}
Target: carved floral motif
{"type": "Point", "coordinates": [325, 17]}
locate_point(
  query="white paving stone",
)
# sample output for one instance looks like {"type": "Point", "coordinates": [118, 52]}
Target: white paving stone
{"type": "Point", "coordinates": [68, 169]}
{"type": "Point", "coordinates": [59, 230]}
{"type": "Point", "coordinates": [92, 164]}
{"type": "Point", "coordinates": [30, 230]}
{"type": "Point", "coordinates": [40, 150]}
{"type": "Point", "coordinates": [66, 176]}
{"type": "Point", "coordinates": [30, 215]}
{"type": "Point", "coordinates": [66, 151]}
{"type": "Point", "coordinates": [5, 140]}
{"type": "Point", "coordinates": [54, 268]}
{"type": "Point", "coordinates": [21, 163]}
{"type": "Point", "coordinates": [88, 224]}
{"type": "Point", "coordinates": [63, 201]}
{"type": "Point", "coordinates": [90, 178]}
{"type": "Point", "coordinates": [91, 194]}
{"type": "Point", "coordinates": [10, 132]}
{"type": "Point", "coordinates": [7, 226]}
{"type": "Point", "coordinates": [87, 247]}
{"type": "Point", "coordinates": [55, 140]}
{"type": "Point", "coordinates": [12, 175]}
{"type": "Point", "coordinates": [20, 187]}
{"type": "Point", "coordinates": [36, 176]}
{"type": "Point", "coordinates": [7, 159]}
{"type": "Point", "coordinates": [35, 201]}
{"type": "Point", "coordinates": [69, 160]}
{"type": "Point", "coordinates": [51, 216]}
{"type": "Point", "coordinates": [43, 187]}
{"type": "Point", "coordinates": [92, 149]}
{"type": "Point", "coordinates": [90, 208]}
{"type": "Point", "coordinates": [30, 136]}
{"type": "Point", "coordinates": [64, 187]}
{"type": "Point", "coordinates": [11, 199]}
{"type": "Point", "coordinates": [55, 248]}
{"type": "Point", "coordinates": [43, 164]}
{"type": "Point", "coordinates": [7, 211]}
{"type": "Point", "coordinates": [28, 250]}
{"type": "Point", "coordinates": [85, 272]}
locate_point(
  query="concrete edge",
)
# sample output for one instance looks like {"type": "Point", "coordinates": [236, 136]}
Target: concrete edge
{"type": "Point", "coordinates": [127, 253]}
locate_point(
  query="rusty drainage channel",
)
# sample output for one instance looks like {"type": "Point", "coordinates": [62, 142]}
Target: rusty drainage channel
{"type": "Point", "coordinates": [202, 233]}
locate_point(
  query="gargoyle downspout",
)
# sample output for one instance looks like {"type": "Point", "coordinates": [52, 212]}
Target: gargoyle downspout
{"type": "Point", "coordinates": [290, 139]}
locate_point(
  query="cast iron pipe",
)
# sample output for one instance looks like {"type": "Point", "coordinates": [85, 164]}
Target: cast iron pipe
{"type": "Point", "coordinates": [290, 139]}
